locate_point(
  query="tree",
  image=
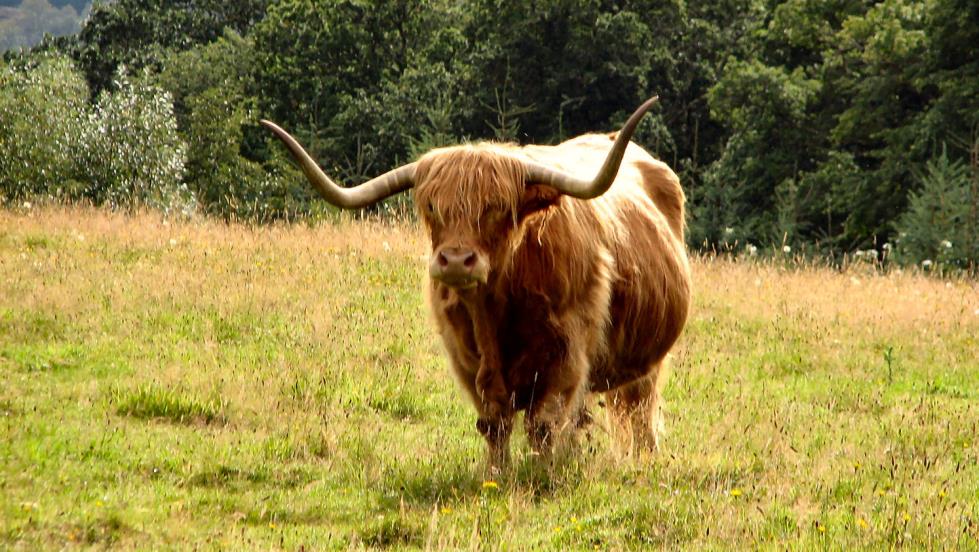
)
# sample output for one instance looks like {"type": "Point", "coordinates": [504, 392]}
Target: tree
{"type": "Point", "coordinates": [139, 33]}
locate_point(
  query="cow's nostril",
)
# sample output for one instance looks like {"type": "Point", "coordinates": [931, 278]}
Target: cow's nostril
{"type": "Point", "coordinates": [469, 260]}
{"type": "Point", "coordinates": [443, 260]}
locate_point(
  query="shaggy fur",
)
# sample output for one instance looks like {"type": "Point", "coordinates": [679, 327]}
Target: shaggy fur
{"type": "Point", "coordinates": [581, 296]}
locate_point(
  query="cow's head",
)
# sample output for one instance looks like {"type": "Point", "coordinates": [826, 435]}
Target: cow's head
{"type": "Point", "coordinates": [471, 198]}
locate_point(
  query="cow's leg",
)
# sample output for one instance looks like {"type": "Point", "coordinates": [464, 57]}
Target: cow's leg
{"type": "Point", "coordinates": [558, 404]}
{"type": "Point", "coordinates": [637, 407]}
{"type": "Point", "coordinates": [497, 433]}
{"type": "Point", "coordinates": [494, 424]}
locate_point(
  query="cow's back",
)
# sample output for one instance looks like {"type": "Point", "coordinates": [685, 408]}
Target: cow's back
{"type": "Point", "coordinates": [583, 155]}
{"type": "Point", "coordinates": [642, 229]}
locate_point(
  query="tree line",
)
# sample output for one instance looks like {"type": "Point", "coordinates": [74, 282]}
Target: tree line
{"type": "Point", "coordinates": [835, 126]}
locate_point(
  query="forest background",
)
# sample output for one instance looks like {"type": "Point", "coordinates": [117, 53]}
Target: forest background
{"type": "Point", "coordinates": [838, 128]}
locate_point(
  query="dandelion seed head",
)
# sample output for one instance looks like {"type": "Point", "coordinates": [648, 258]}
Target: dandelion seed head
{"type": "Point", "coordinates": [786, 249]}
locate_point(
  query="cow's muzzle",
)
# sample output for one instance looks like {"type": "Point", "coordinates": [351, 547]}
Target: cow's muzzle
{"type": "Point", "coordinates": [458, 267]}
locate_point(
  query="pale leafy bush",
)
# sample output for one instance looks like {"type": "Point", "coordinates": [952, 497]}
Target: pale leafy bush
{"type": "Point", "coordinates": [42, 112]}
{"type": "Point", "coordinates": [123, 151]}
{"type": "Point", "coordinates": [131, 149]}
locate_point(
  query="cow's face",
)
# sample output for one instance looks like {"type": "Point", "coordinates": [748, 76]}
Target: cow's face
{"type": "Point", "coordinates": [473, 201]}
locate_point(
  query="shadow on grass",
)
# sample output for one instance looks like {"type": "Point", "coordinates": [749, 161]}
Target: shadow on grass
{"type": "Point", "coordinates": [224, 476]}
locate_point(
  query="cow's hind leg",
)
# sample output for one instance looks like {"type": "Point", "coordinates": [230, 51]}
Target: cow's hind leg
{"type": "Point", "coordinates": [637, 409]}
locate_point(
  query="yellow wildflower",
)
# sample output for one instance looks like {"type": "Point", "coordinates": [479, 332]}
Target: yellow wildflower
{"type": "Point", "coordinates": [490, 485]}
{"type": "Point", "coordinates": [862, 523]}
{"type": "Point", "coordinates": [735, 492]}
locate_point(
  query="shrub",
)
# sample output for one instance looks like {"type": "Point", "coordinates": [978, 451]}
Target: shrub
{"type": "Point", "coordinates": [42, 106]}
{"type": "Point", "coordinates": [939, 227]}
{"type": "Point", "coordinates": [131, 151]}
{"type": "Point", "coordinates": [123, 152]}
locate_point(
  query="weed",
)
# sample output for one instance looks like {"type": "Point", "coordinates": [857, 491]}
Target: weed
{"type": "Point", "coordinates": [157, 403]}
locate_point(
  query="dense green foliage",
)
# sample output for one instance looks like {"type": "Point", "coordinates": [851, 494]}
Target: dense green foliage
{"type": "Point", "coordinates": [791, 122]}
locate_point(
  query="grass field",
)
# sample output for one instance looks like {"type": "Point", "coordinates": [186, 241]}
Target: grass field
{"type": "Point", "coordinates": [202, 385]}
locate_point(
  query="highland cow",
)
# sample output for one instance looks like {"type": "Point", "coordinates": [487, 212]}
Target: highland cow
{"type": "Point", "coordinates": [555, 272]}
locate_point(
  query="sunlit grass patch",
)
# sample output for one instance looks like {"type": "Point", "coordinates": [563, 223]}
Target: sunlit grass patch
{"type": "Point", "coordinates": [46, 358]}
{"type": "Point", "coordinates": [152, 402]}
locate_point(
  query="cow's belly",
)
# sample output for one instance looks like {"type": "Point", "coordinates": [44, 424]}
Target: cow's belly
{"type": "Point", "coordinates": [644, 326]}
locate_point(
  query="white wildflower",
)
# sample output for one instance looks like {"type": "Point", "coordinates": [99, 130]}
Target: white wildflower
{"type": "Point", "coordinates": [946, 244]}
{"type": "Point", "coordinates": [887, 247]}
{"type": "Point", "coordinates": [786, 249]}
{"type": "Point", "coordinates": [926, 263]}
{"type": "Point", "coordinates": [80, 237]}
{"type": "Point", "coordinates": [728, 231]}
{"type": "Point", "coordinates": [387, 246]}
{"type": "Point", "coordinates": [752, 250]}
{"type": "Point", "coordinates": [27, 205]}
{"type": "Point", "coordinates": [173, 242]}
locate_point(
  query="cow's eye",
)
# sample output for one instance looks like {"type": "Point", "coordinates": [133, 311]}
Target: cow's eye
{"type": "Point", "coordinates": [494, 217]}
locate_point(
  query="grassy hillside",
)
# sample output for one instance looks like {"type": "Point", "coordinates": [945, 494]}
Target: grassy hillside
{"type": "Point", "coordinates": [178, 385]}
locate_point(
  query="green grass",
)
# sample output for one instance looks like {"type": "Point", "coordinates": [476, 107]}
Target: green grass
{"type": "Point", "coordinates": [282, 387]}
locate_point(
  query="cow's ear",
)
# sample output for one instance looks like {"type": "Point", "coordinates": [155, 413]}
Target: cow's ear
{"type": "Point", "coordinates": [536, 198]}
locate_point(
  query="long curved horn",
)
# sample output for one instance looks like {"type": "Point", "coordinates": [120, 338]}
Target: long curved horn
{"type": "Point", "coordinates": [589, 189]}
{"type": "Point", "coordinates": [368, 193]}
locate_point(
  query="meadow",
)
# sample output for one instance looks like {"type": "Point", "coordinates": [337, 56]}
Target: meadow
{"type": "Point", "coordinates": [169, 384]}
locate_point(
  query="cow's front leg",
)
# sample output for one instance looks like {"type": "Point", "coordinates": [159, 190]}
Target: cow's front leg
{"type": "Point", "coordinates": [496, 410]}
{"type": "Point", "coordinates": [497, 433]}
{"type": "Point", "coordinates": [558, 405]}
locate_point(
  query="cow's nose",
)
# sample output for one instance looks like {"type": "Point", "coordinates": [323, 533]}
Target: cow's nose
{"type": "Point", "coordinates": [457, 258]}
{"type": "Point", "coordinates": [459, 267]}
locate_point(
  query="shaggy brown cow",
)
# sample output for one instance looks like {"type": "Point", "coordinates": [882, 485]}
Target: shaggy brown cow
{"type": "Point", "coordinates": [546, 286]}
